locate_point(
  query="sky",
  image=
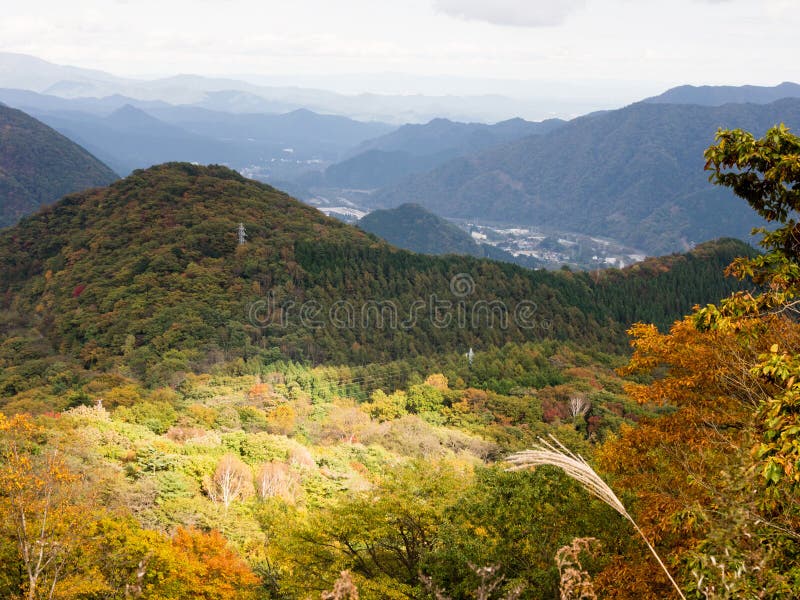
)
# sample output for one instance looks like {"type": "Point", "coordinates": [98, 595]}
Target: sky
{"type": "Point", "coordinates": [516, 47]}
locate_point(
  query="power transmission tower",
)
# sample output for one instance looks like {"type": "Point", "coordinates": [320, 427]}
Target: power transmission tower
{"type": "Point", "coordinates": [242, 234]}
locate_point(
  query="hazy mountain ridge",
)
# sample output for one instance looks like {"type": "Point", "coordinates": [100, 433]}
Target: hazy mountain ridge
{"type": "Point", "coordinates": [130, 134]}
{"type": "Point", "coordinates": [38, 166]}
{"type": "Point", "coordinates": [412, 149]}
{"type": "Point", "coordinates": [440, 136]}
{"type": "Point", "coordinates": [717, 95]}
{"type": "Point", "coordinates": [417, 148]}
{"type": "Point", "coordinates": [231, 95]}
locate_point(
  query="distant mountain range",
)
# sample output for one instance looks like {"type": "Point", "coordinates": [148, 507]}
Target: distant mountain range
{"type": "Point", "coordinates": [412, 149]}
{"type": "Point", "coordinates": [634, 174]}
{"type": "Point", "coordinates": [38, 166]}
{"type": "Point", "coordinates": [129, 134]}
{"type": "Point", "coordinates": [229, 95]}
{"type": "Point", "coordinates": [717, 95]}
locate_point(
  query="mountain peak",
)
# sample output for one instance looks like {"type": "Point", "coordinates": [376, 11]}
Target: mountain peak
{"type": "Point", "coordinates": [130, 115]}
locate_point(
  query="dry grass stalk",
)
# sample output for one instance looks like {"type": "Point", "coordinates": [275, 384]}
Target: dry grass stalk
{"type": "Point", "coordinates": [575, 466]}
{"type": "Point", "coordinates": [575, 582]}
{"type": "Point", "coordinates": [490, 580]}
{"type": "Point", "coordinates": [343, 589]}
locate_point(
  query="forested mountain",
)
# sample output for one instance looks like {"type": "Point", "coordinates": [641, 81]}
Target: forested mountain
{"type": "Point", "coordinates": [412, 149]}
{"type": "Point", "coordinates": [634, 174]}
{"type": "Point", "coordinates": [148, 272]}
{"type": "Point", "coordinates": [411, 227]}
{"type": "Point", "coordinates": [717, 95]}
{"type": "Point", "coordinates": [38, 166]}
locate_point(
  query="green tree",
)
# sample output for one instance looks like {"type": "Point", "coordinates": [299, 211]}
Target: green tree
{"type": "Point", "coordinates": [766, 173]}
{"type": "Point", "coordinates": [382, 536]}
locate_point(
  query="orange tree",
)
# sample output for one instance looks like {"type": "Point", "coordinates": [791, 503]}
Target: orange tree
{"type": "Point", "coordinates": [56, 544]}
{"type": "Point", "coordinates": [716, 481]}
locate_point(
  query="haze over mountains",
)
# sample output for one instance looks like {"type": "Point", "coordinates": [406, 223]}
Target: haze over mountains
{"type": "Point", "coordinates": [230, 95]}
{"type": "Point", "coordinates": [717, 95]}
{"type": "Point", "coordinates": [129, 135]}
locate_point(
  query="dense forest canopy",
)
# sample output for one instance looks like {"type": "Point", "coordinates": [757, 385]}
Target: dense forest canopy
{"type": "Point", "coordinates": [149, 273]}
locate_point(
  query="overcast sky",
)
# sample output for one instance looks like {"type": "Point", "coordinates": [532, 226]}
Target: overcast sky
{"type": "Point", "coordinates": [608, 44]}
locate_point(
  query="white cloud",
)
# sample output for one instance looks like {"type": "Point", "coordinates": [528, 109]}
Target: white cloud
{"type": "Point", "coordinates": [520, 13]}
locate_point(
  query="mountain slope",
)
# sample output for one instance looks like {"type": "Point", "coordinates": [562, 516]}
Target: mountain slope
{"type": "Point", "coordinates": [717, 95]}
{"type": "Point", "coordinates": [634, 174]}
{"type": "Point", "coordinates": [38, 166]}
{"type": "Point", "coordinates": [148, 273]}
{"type": "Point", "coordinates": [373, 169]}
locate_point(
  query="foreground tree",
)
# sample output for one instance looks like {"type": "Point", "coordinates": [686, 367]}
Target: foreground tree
{"type": "Point", "coordinates": [716, 481]}
{"type": "Point", "coordinates": [766, 173]}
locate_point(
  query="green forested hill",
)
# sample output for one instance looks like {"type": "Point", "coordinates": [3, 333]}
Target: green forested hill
{"type": "Point", "coordinates": [38, 166]}
{"type": "Point", "coordinates": [412, 227]}
{"type": "Point", "coordinates": [148, 273]}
